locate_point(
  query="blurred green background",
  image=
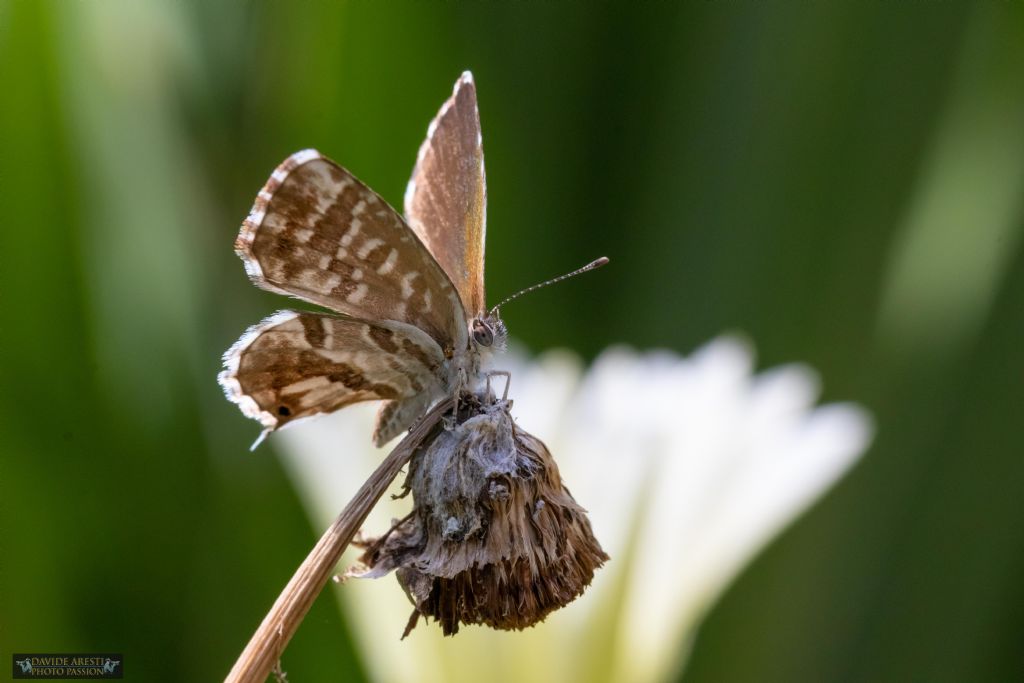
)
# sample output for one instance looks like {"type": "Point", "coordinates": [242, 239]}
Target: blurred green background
{"type": "Point", "coordinates": [842, 181]}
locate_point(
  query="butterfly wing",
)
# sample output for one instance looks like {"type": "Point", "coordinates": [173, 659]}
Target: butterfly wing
{"type": "Point", "coordinates": [317, 233]}
{"type": "Point", "coordinates": [295, 365]}
{"type": "Point", "coordinates": [446, 199]}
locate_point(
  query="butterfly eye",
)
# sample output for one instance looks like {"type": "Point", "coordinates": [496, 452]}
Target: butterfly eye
{"type": "Point", "coordinates": [482, 333]}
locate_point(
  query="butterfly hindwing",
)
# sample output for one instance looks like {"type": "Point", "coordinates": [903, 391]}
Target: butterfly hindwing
{"type": "Point", "coordinates": [317, 233]}
{"type": "Point", "coordinates": [446, 199]}
{"type": "Point", "coordinates": [394, 417]}
{"type": "Point", "coordinates": [296, 364]}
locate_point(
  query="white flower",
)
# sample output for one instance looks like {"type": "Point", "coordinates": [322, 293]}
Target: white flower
{"type": "Point", "coordinates": [688, 466]}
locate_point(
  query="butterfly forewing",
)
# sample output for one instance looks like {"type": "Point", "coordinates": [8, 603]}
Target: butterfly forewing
{"type": "Point", "coordinates": [446, 199]}
{"type": "Point", "coordinates": [295, 365]}
{"type": "Point", "coordinates": [316, 232]}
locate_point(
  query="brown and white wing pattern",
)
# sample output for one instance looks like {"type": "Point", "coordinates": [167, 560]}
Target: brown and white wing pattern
{"type": "Point", "coordinates": [446, 199]}
{"type": "Point", "coordinates": [317, 233]}
{"type": "Point", "coordinates": [295, 365]}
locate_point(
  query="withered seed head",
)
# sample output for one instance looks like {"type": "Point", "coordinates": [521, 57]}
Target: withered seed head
{"type": "Point", "coordinates": [494, 536]}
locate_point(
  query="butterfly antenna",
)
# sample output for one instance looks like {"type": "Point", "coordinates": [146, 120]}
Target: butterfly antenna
{"type": "Point", "coordinates": [590, 266]}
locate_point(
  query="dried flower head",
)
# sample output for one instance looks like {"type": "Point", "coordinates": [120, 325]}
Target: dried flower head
{"type": "Point", "coordinates": [494, 536]}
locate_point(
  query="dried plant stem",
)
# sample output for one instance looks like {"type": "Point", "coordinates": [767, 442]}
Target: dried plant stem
{"type": "Point", "coordinates": [266, 645]}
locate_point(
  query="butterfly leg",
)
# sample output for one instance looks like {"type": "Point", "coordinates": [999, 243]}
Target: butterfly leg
{"type": "Point", "coordinates": [452, 420]}
{"type": "Point", "coordinates": [508, 380]}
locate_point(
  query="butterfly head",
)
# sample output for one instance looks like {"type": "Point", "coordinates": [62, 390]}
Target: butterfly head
{"type": "Point", "coordinates": [489, 331]}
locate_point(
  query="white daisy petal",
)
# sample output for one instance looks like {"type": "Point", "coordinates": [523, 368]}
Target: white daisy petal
{"type": "Point", "coordinates": [688, 467]}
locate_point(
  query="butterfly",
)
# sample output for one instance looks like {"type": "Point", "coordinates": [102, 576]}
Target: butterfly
{"type": "Point", "coordinates": [410, 324]}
